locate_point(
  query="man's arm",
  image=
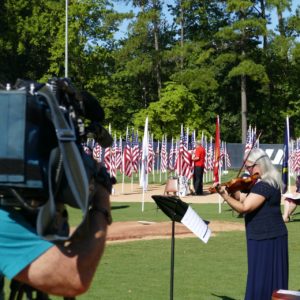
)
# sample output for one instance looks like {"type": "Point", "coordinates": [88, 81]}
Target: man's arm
{"type": "Point", "coordinates": [195, 155]}
{"type": "Point", "coordinates": [68, 270]}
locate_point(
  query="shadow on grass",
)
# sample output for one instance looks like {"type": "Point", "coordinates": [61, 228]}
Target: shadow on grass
{"type": "Point", "coordinates": [295, 217]}
{"type": "Point", "coordinates": [120, 207]}
{"type": "Point", "coordinates": [223, 297]}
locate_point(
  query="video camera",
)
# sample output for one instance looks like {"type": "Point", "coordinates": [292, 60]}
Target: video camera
{"type": "Point", "coordinates": [42, 161]}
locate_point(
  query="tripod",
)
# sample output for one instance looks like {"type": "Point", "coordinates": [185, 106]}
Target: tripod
{"type": "Point", "coordinates": [18, 290]}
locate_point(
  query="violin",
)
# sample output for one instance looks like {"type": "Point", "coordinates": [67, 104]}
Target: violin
{"type": "Point", "coordinates": [238, 184]}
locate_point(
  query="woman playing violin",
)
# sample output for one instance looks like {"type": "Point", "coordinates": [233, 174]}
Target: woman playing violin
{"type": "Point", "coordinates": [266, 233]}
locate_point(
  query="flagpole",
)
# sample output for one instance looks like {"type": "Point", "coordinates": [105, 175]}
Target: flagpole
{"type": "Point", "coordinates": [206, 154]}
{"type": "Point", "coordinates": [153, 169]}
{"type": "Point", "coordinates": [123, 175]}
{"type": "Point", "coordinates": [160, 161]}
{"type": "Point", "coordinates": [157, 160]}
{"type": "Point", "coordinates": [220, 198]}
{"type": "Point", "coordinates": [143, 200]}
{"type": "Point", "coordinates": [289, 174]}
{"type": "Point", "coordinates": [144, 168]}
{"type": "Point", "coordinates": [285, 162]}
{"type": "Point", "coordinates": [217, 158]}
{"type": "Point", "coordinates": [66, 42]}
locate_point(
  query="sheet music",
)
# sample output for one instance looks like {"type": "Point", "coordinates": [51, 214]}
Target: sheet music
{"type": "Point", "coordinates": [194, 223]}
{"type": "Point", "coordinates": [287, 292]}
{"type": "Point", "coordinates": [294, 196]}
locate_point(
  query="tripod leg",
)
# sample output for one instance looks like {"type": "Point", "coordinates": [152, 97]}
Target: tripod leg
{"type": "Point", "coordinates": [14, 289]}
{"type": "Point", "coordinates": [20, 294]}
{"type": "Point", "coordinates": [18, 290]}
{"type": "Point", "coordinates": [2, 296]}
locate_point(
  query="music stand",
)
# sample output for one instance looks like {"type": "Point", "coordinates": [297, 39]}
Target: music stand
{"type": "Point", "coordinates": [179, 211]}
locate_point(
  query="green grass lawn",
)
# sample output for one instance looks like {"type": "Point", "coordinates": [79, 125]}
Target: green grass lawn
{"type": "Point", "coordinates": [217, 270]}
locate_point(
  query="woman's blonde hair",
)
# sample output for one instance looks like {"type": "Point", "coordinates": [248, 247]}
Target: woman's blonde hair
{"type": "Point", "coordinates": [269, 173]}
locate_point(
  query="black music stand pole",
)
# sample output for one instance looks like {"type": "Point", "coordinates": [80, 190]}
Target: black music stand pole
{"type": "Point", "coordinates": [179, 211]}
{"type": "Point", "coordinates": [175, 209]}
{"type": "Point", "coordinates": [172, 260]}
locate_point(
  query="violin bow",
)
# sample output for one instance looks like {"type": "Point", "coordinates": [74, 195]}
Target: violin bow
{"type": "Point", "coordinates": [252, 146]}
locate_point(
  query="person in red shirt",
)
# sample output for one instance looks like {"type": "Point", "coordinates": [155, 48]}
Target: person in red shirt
{"type": "Point", "coordinates": [199, 163]}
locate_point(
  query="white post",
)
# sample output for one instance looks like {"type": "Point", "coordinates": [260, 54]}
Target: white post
{"type": "Point", "coordinates": [220, 198]}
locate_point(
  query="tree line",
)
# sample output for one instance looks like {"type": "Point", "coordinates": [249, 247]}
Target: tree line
{"type": "Point", "coordinates": [205, 58]}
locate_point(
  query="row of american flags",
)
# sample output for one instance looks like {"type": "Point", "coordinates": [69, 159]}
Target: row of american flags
{"type": "Point", "coordinates": [252, 140]}
{"type": "Point", "coordinates": [291, 153]}
{"type": "Point", "coordinates": [291, 157]}
{"type": "Point", "coordinates": [173, 156]}
{"type": "Point", "coordinates": [294, 156]}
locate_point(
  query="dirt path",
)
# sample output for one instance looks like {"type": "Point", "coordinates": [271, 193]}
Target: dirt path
{"type": "Point", "coordinates": [141, 230]}
{"type": "Point", "coordinates": [133, 193]}
{"type": "Point", "coordinates": [131, 231]}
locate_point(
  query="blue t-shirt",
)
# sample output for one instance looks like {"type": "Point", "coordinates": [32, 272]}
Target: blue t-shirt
{"type": "Point", "coordinates": [19, 243]}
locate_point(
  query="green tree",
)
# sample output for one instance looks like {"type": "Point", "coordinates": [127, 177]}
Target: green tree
{"type": "Point", "coordinates": [33, 36]}
{"type": "Point", "coordinates": [283, 69]}
{"type": "Point", "coordinates": [176, 106]}
{"type": "Point", "coordinates": [241, 38]}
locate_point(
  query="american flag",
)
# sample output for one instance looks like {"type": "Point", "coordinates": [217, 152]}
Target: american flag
{"type": "Point", "coordinates": [172, 153]}
{"type": "Point", "coordinates": [210, 156]}
{"type": "Point", "coordinates": [222, 156]}
{"type": "Point", "coordinates": [119, 156]}
{"type": "Point", "coordinates": [107, 158]}
{"type": "Point", "coordinates": [163, 155]}
{"type": "Point", "coordinates": [157, 153]}
{"type": "Point", "coordinates": [127, 157]}
{"type": "Point", "coordinates": [204, 143]}
{"type": "Point", "coordinates": [255, 139]}
{"type": "Point", "coordinates": [176, 164]}
{"type": "Point", "coordinates": [107, 154]}
{"type": "Point", "coordinates": [151, 156]}
{"type": "Point", "coordinates": [97, 152]}
{"type": "Point", "coordinates": [178, 156]}
{"type": "Point", "coordinates": [135, 152]}
{"type": "Point", "coordinates": [87, 149]}
{"type": "Point", "coordinates": [249, 140]}
{"type": "Point", "coordinates": [113, 170]}
{"type": "Point", "coordinates": [294, 159]}
{"type": "Point", "coordinates": [184, 159]}
{"type": "Point", "coordinates": [226, 157]}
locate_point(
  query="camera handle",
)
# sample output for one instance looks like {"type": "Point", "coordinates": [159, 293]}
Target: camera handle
{"type": "Point", "coordinates": [18, 290]}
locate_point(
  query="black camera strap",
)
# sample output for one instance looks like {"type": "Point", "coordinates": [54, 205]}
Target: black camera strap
{"type": "Point", "coordinates": [73, 167]}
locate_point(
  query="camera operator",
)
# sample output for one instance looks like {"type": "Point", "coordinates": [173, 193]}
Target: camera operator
{"type": "Point", "coordinates": [58, 269]}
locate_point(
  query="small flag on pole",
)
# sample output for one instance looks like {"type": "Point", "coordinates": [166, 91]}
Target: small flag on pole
{"type": "Point", "coordinates": [285, 160]}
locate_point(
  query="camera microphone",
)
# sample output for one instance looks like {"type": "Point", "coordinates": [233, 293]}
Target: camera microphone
{"type": "Point", "coordinates": [94, 112]}
{"type": "Point", "coordinates": [100, 134]}
{"type": "Point", "coordinates": [92, 108]}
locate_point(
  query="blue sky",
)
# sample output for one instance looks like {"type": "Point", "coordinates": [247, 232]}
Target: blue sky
{"type": "Point", "coordinates": [121, 7]}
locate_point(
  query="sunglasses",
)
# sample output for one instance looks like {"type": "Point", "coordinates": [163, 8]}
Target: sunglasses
{"type": "Point", "coordinates": [250, 167]}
